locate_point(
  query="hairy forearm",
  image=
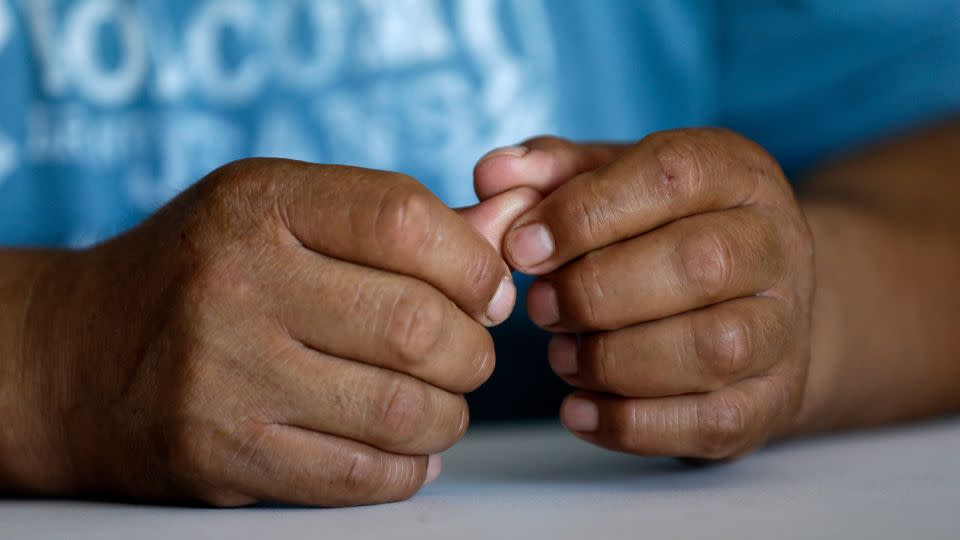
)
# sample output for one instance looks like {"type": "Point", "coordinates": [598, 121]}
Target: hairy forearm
{"type": "Point", "coordinates": [24, 464]}
{"type": "Point", "coordinates": [886, 225]}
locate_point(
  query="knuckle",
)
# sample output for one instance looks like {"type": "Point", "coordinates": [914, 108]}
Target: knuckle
{"type": "Point", "coordinates": [233, 174]}
{"type": "Point", "coordinates": [248, 450]}
{"type": "Point", "coordinates": [706, 263]}
{"type": "Point", "coordinates": [680, 167]}
{"type": "Point", "coordinates": [404, 221]}
{"type": "Point", "coordinates": [483, 273]}
{"type": "Point", "coordinates": [722, 427]}
{"type": "Point", "coordinates": [589, 217]}
{"type": "Point", "coordinates": [723, 344]}
{"type": "Point", "coordinates": [600, 362]}
{"type": "Point", "coordinates": [242, 191]}
{"type": "Point", "coordinates": [200, 451]}
{"type": "Point", "coordinates": [375, 477]}
{"type": "Point", "coordinates": [415, 326]}
{"type": "Point", "coordinates": [363, 478]}
{"type": "Point", "coordinates": [402, 411]}
{"type": "Point", "coordinates": [586, 293]}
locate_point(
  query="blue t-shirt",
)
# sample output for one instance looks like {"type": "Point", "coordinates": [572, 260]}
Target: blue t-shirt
{"type": "Point", "coordinates": [108, 108]}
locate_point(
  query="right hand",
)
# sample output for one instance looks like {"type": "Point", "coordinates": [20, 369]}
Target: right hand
{"type": "Point", "coordinates": [281, 331]}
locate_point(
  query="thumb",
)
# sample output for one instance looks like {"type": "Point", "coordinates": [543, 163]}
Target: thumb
{"type": "Point", "coordinates": [494, 216]}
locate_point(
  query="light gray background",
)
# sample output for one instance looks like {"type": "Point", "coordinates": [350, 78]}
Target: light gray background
{"type": "Point", "coordinates": [536, 481]}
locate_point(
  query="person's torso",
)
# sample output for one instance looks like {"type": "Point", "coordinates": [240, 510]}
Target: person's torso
{"type": "Point", "coordinates": [108, 108]}
{"type": "Point", "coordinates": [111, 107]}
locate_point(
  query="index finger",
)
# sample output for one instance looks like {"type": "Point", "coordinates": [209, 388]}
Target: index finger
{"type": "Point", "coordinates": [391, 222]}
{"type": "Point", "coordinates": [665, 177]}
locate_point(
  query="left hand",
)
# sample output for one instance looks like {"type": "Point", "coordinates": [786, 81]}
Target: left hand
{"type": "Point", "coordinates": [677, 276]}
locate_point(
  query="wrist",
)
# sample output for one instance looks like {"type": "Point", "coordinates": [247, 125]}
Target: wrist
{"type": "Point", "coordinates": [33, 456]}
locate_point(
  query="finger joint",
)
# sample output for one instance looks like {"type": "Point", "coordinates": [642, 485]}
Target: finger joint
{"type": "Point", "coordinates": [721, 427]}
{"type": "Point", "coordinates": [601, 361]}
{"type": "Point", "coordinates": [404, 222]}
{"type": "Point", "coordinates": [681, 175]}
{"type": "Point", "coordinates": [706, 263]}
{"type": "Point", "coordinates": [589, 292]}
{"type": "Point", "coordinates": [723, 345]}
{"type": "Point", "coordinates": [402, 411]}
{"type": "Point", "coordinates": [415, 326]}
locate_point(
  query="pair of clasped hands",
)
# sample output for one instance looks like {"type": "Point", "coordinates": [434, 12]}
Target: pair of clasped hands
{"type": "Point", "coordinates": [305, 333]}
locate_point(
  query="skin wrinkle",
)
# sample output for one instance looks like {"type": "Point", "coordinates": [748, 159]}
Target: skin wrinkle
{"type": "Point", "coordinates": [677, 182]}
{"type": "Point", "coordinates": [281, 209]}
{"type": "Point", "coordinates": [377, 216]}
{"type": "Point", "coordinates": [734, 345]}
{"type": "Point", "coordinates": [591, 291]}
{"type": "Point", "coordinates": [711, 264]}
{"type": "Point", "coordinates": [505, 216]}
{"type": "Point", "coordinates": [688, 348]}
{"type": "Point", "coordinates": [717, 435]}
{"type": "Point", "coordinates": [243, 455]}
{"type": "Point", "coordinates": [352, 479]}
{"type": "Point", "coordinates": [391, 318]}
{"type": "Point", "coordinates": [433, 235]}
{"type": "Point", "coordinates": [602, 366]}
{"type": "Point", "coordinates": [396, 407]}
{"type": "Point", "coordinates": [700, 355]}
{"type": "Point", "coordinates": [478, 273]}
{"type": "Point", "coordinates": [677, 284]}
{"type": "Point", "coordinates": [414, 324]}
{"type": "Point", "coordinates": [633, 421]}
{"type": "Point", "coordinates": [590, 216]}
{"type": "Point", "coordinates": [637, 195]}
{"type": "Point", "coordinates": [436, 422]}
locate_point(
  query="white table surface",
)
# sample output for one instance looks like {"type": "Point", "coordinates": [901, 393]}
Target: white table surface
{"type": "Point", "coordinates": [536, 481]}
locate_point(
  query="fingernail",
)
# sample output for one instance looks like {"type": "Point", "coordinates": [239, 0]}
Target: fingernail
{"type": "Point", "coordinates": [562, 354]}
{"type": "Point", "coordinates": [516, 151]}
{"type": "Point", "coordinates": [581, 415]}
{"type": "Point", "coordinates": [434, 467]}
{"type": "Point", "coordinates": [501, 306]}
{"type": "Point", "coordinates": [530, 245]}
{"type": "Point", "coordinates": [542, 305]}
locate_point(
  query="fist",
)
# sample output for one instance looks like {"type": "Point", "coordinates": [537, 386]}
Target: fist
{"type": "Point", "coordinates": [281, 331]}
{"type": "Point", "coordinates": [677, 276]}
